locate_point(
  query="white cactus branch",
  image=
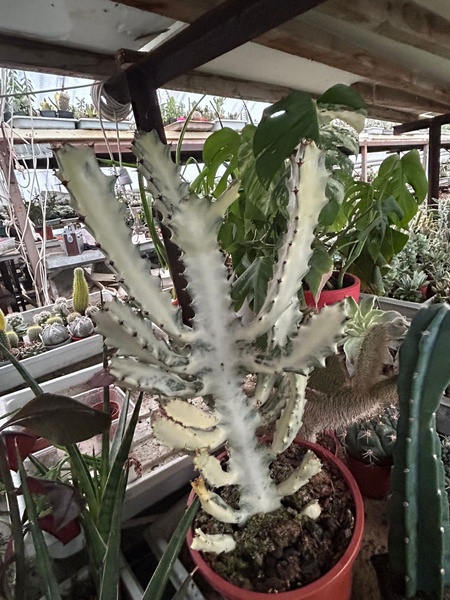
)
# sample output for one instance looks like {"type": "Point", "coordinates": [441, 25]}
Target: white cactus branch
{"type": "Point", "coordinates": [180, 437]}
{"type": "Point", "coordinates": [211, 469]}
{"type": "Point", "coordinates": [189, 415]}
{"type": "Point", "coordinates": [217, 543]}
{"type": "Point", "coordinates": [291, 418]}
{"type": "Point", "coordinates": [309, 467]}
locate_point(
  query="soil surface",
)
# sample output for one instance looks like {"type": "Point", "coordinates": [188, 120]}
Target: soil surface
{"type": "Point", "coordinates": [282, 550]}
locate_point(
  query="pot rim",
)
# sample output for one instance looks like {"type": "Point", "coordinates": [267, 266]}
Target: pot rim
{"type": "Point", "coordinates": [347, 558]}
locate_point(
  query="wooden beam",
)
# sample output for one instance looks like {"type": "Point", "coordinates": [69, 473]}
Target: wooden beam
{"type": "Point", "coordinates": [228, 26]}
{"type": "Point", "coordinates": [34, 55]}
{"type": "Point", "coordinates": [379, 95]}
{"type": "Point", "coordinates": [403, 21]}
{"type": "Point", "coordinates": [388, 114]}
{"type": "Point", "coordinates": [301, 39]}
{"type": "Point", "coordinates": [422, 124]}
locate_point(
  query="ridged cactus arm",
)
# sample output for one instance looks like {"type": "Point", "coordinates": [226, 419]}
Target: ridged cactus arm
{"type": "Point", "coordinates": [307, 197]}
{"type": "Point", "coordinates": [264, 386]}
{"type": "Point", "coordinates": [92, 195]}
{"type": "Point", "coordinates": [214, 505]}
{"type": "Point", "coordinates": [419, 536]}
{"type": "Point", "coordinates": [133, 335]}
{"type": "Point", "coordinates": [180, 437]}
{"type": "Point", "coordinates": [309, 467]}
{"type": "Point", "coordinates": [134, 375]}
{"type": "Point", "coordinates": [211, 469]}
{"type": "Point", "coordinates": [161, 173]}
{"type": "Point", "coordinates": [291, 418]}
{"type": "Point", "coordinates": [217, 543]}
{"type": "Point", "coordinates": [314, 342]}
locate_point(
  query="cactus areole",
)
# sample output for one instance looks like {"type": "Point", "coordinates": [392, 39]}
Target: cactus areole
{"type": "Point", "coordinates": [213, 357]}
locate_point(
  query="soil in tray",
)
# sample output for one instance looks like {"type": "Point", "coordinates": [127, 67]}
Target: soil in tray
{"type": "Point", "coordinates": [279, 551]}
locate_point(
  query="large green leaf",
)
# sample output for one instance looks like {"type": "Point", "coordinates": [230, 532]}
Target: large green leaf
{"type": "Point", "coordinates": [344, 103]}
{"type": "Point", "coordinates": [282, 127]}
{"type": "Point", "coordinates": [60, 419]}
{"type": "Point", "coordinates": [219, 147]}
{"type": "Point", "coordinates": [252, 284]}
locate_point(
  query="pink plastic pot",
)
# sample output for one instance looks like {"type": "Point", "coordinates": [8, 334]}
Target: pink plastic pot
{"type": "Point", "coordinates": [327, 297]}
{"type": "Point", "coordinates": [374, 481]}
{"type": "Point", "coordinates": [335, 585]}
{"type": "Point", "coordinates": [114, 408]}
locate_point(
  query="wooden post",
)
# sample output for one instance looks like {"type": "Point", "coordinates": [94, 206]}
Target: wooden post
{"type": "Point", "coordinates": [20, 212]}
{"type": "Point", "coordinates": [144, 100]}
{"type": "Point", "coordinates": [364, 161]}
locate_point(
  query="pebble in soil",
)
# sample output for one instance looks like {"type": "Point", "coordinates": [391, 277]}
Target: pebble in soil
{"type": "Point", "coordinates": [282, 550]}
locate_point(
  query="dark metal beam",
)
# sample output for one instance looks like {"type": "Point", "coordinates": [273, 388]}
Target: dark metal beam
{"type": "Point", "coordinates": [228, 26]}
{"type": "Point", "coordinates": [34, 55]}
{"type": "Point", "coordinates": [434, 161]}
{"type": "Point", "coordinates": [422, 124]}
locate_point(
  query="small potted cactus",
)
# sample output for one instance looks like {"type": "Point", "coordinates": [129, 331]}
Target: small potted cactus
{"type": "Point", "coordinates": [54, 336]}
{"type": "Point", "coordinates": [80, 291]}
{"type": "Point", "coordinates": [80, 328]}
{"type": "Point", "coordinates": [211, 359]}
{"type": "Point", "coordinates": [369, 446]}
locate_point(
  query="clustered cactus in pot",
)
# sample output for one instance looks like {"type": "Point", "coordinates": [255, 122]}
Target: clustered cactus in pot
{"type": "Point", "coordinates": [212, 358]}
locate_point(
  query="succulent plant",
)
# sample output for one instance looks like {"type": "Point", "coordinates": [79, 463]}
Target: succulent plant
{"type": "Point", "coordinates": [60, 309]}
{"type": "Point", "coordinates": [408, 286]}
{"type": "Point", "coordinates": [53, 335]}
{"type": "Point", "coordinates": [91, 310]}
{"type": "Point", "coordinates": [13, 339]}
{"type": "Point", "coordinates": [80, 291]}
{"type": "Point", "coordinates": [212, 358]}
{"type": "Point", "coordinates": [82, 327]}
{"type": "Point", "coordinates": [3, 337]}
{"type": "Point", "coordinates": [73, 316]}
{"type": "Point", "coordinates": [34, 333]}
{"type": "Point", "coordinates": [419, 535]}
{"type": "Point", "coordinates": [33, 349]}
{"type": "Point", "coordinates": [361, 318]}
{"type": "Point", "coordinates": [64, 101]}
{"type": "Point", "coordinates": [372, 442]}
{"type": "Point", "coordinates": [53, 320]}
{"type": "Point", "coordinates": [41, 318]}
{"type": "Point", "coordinates": [15, 323]}
{"type": "Point", "coordinates": [336, 400]}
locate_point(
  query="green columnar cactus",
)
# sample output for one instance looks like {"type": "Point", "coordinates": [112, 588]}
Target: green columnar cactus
{"type": "Point", "coordinates": [3, 337]}
{"type": "Point", "coordinates": [213, 357]}
{"type": "Point", "coordinates": [419, 536]}
{"type": "Point", "coordinates": [80, 291]}
{"type": "Point", "coordinates": [372, 442]}
{"type": "Point", "coordinates": [13, 339]}
{"type": "Point", "coordinates": [34, 333]}
{"type": "Point", "coordinates": [81, 328]}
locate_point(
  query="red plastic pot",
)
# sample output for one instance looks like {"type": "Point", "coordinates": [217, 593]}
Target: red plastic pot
{"type": "Point", "coordinates": [352, 286]}
{"type": "Point", "coordinates": [48, 232]}
{"type": "Point", "coordinates": [335, 585]}
{"type": "Point", "coordinates": [374, 481]}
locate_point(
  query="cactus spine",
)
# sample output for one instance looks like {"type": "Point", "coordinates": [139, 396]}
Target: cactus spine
{"type": "Point", "coordinates": [34, 333]}
{"type": "Point", "coordinates": [3, 337]}
{"type": "Point", "coordinates": [419, 536]}
{"type": "Point", "coordinates": [80, 291]}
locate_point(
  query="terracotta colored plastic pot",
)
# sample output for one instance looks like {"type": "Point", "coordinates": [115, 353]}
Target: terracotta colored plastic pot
{"type": "Point", "coordinates": [352, 287]}
{"type": "Point", "coordinates": [335, 585]}
{"type": "Point", "coordinates": [48, 232]}
{"type": "Point", "coordinates": [113, 408]}
{"type": "Point", "coordinates": [374, 480]}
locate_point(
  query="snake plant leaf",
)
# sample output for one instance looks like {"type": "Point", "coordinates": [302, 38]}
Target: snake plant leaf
{"type": "Point", "coordinates": [66, 501]}
{"type": "Point", "coordinates": [60, 419]}
{"type": "Point", "coordinates": [282, 127]}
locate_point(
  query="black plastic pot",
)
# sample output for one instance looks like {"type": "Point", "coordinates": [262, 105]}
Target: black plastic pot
{"type": "Point", "coordinates": [65, 114]}
{"type": "Point", "coordinates": [7, 115]}
{"type": "Point", "coordinates": [48, 113]}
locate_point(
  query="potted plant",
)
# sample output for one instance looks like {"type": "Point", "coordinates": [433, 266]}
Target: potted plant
{"type": "Point", "coordinates": [47, 109]}
{"type": "Point", "coordinates": [360, 381]}
{"type": "Point", "coordinates": [419, 534]}
{"type": "Point", "coordinates": [368, 446]}
{"type": "Point", "coordinates": [212, 357]}
{"type": "Point", "coordinates": [18, 104]}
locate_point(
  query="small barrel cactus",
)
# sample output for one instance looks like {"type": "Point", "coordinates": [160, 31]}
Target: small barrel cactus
{"type": "Point", "coordinates": [3, 337]}
{"type": "Point", "coordinates": [60, 308]}
{"type": "Point", "coordinates": [91, 310]}
{"type": "Point", "coordinates": [14, 321]}
{"type": "Point", "coordinates": [53, 335]}
{"type": "Point", "coordinates": [13, 339]}
{"type": "Point", "coordinates": [80, 291]}
{"type": "Point", "coordinates": [81, 328]}
{"type": "Point", "coordinates": [64, 101]}
{"type": "Point", "coordinates": [34, 333]}
{"type": "Point", "coordinates": [372, 442]}
{"type": "Point", "coordinates": [54, 319]}
{"type": "Point", "coordinates": [73, 316]}
{"type": "Point", "coordinates": [42, 317]}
